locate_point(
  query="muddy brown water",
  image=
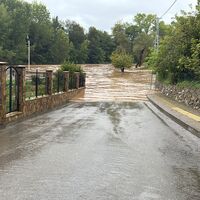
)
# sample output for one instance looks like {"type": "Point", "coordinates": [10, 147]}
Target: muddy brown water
{"type": "Point", "coordinates": [105, 83]}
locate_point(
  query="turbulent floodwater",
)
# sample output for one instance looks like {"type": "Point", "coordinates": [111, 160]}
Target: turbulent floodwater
{"type": "Point", "coordinates": [107, 144]}
{"type": "Point", "coordinates": [104, 83]}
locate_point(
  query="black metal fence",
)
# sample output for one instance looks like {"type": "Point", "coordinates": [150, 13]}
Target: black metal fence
{"type": "Point", "coordinates": [58, 82]}
{"type": "Point", "coordinates": [82, 80]}
{"type": "Point", "coordinates": [72, 81]}
{"type": "Point", "coordinates": [12, 90]}
{"type": "Point", "coordinates": [35, 84]}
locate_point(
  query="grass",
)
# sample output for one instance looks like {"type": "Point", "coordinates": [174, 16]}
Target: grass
{"type": "Point", "coordinates": [30, 89]}
{"type": "Point", "coordinates": [189, 84]}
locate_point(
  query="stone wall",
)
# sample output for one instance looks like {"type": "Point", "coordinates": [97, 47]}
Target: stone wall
{"type": "Point", "coordinates": [189, 97]}
{"type": "Point", "coordinates": [43, 104]}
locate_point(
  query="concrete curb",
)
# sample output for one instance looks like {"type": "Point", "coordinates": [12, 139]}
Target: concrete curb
{"type": "Point", "coordinates": [184, 123]}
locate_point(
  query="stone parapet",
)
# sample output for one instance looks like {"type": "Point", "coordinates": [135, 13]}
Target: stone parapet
{"type": "Point", "coordinates": [43, 104]}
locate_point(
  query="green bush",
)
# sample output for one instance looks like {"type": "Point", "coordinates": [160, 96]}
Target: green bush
{"type": "Point", "coordinates": [71, 67]}
{"type": "Point", "coordinates": [121, 60]}
{"type": "Point", "coordinates": [151, 60]}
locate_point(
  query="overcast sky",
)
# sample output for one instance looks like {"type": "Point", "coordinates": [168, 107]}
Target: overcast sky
{"type": "Point", "coordinates": [103, 14]}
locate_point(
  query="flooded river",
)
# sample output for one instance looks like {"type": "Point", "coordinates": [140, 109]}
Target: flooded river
{"type": "Point", "coordinates": [104, 83]}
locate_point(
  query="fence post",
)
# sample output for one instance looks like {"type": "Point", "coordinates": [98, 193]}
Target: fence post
{"type": "Point", "coordinates": [66, 81]}
{"type": "Point", "coordinates": [49, 81]}
{"type": "Point", "coordinates": [36, 83]}
{"type": "Point", "coordinates": [2, 92]}
{"type": "Point", "coordinates": [84, 79]}
{"type": "Point", "coordinates": [77, 74]}
{"type": "Point", "coordinates": [22, 88]}
{"type": "Point", "coordinates": [58, 81]}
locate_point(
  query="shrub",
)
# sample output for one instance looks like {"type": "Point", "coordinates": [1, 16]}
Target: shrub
{"type": "Point", "coordinates": [71, 67]}
{"type": "Point", "coordinates": [121, 60]}
{"type": "Point", "coordinates": [151, 60]}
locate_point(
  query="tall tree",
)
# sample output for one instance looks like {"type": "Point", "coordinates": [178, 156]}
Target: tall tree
{"type": "Point", "coordinates": [107, 44]}
{"type": "Point", "coordinates": [5, 24]}
{"type": "Point", "coordinates": [78, 44]}
{"type": "Point", "coordinates": [145, 22]}
{"type": "Point", "coordinates": [121, 38]}
{"type": "Point", "coordinates": [95, 52]}
{"type": "Point", "coordinates": [75, 32]}
{"type": "Point", "coordinates": [146, 33]}
{"type": "Point", "coordinates": [141, 46]}
{"type": "Point", "coordinates": [19, 13]}
{"type": "Point", "coordinates": [40, 33]}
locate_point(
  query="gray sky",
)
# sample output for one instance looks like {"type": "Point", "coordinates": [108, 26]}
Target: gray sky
{"type": "Point", "coordinates": [103, 14]}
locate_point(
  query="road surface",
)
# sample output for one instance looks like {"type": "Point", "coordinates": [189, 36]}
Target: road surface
{"type": "Point", "coordinates": [99, 150]}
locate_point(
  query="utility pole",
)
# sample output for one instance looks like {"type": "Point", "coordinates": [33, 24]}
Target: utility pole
{"type": "Point", "coordinates": [29, 52]}
{"type": "Point", "coordinates": [157, 40]}
{"type": "Point", "coordinates": [157, 33]}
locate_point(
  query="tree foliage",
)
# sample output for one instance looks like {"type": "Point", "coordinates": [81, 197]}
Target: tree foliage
{"type": "Point", "coordinates": [100, 46]}
{"type": "Point", "coordinates": [178, 58]}
{"type": "Point", "coordinates": [120, 59]}
{"type": "Point", "coordinates": [136, 38]}
{"type": "Point", "coordinates": [145, 23]}
{"type": "Point", "coordinates": [52, 41]}
{"type": "Point", "coordinates": [121, 37]}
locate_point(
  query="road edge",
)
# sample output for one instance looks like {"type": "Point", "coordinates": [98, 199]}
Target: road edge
{"type": "Point", "coordinates": [182, 123]}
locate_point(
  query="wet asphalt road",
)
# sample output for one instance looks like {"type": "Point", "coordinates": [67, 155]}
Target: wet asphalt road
{"type": "Point", "coordinates": [104, 151]}
{"type": "Point", "coordinates": [106, 145]}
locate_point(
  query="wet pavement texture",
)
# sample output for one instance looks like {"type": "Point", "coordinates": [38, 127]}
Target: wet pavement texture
{"type": "Point", "coordinates": [114, 150]}
{"type": "Point", "coordinates": [99, 151]}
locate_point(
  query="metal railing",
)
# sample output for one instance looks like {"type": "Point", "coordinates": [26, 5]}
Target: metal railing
{"type": "Point", "coordinates": [35, 84]}
{"type": "Point", "coordinates": [58, 82]}
{"type": "Point", "coordinates": [12, 89]}
{"type": "Point", "coordinates": [72, 81]}
{"type": "Point", "coordinates": [82, 80]}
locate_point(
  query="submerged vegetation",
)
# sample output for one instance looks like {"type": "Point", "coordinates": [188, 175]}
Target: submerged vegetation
{"type": "Point", "coordinates": [121, 60]}
{"type": "Point", "coordinates": [71, 67]}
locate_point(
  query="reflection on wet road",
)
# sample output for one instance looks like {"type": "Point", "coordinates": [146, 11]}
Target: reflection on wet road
{"type": "Point", "coordinates": [99, 150]}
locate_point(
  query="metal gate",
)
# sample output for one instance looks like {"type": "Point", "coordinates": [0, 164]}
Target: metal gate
{"type": "Point", "coordinates": [12, 89]}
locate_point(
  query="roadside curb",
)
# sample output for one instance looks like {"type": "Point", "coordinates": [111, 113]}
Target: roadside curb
{"type": "Point", "coordinates": [171, 114]}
